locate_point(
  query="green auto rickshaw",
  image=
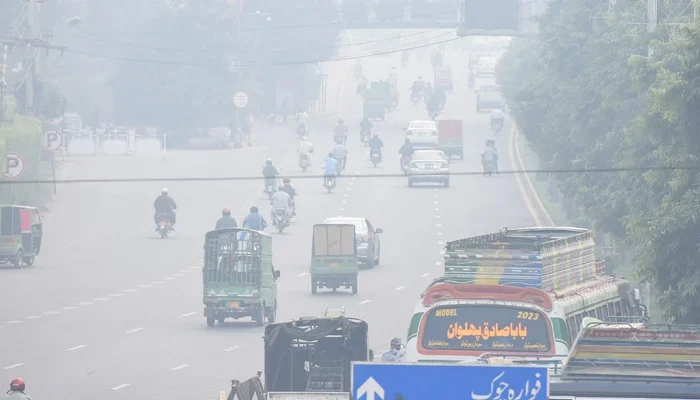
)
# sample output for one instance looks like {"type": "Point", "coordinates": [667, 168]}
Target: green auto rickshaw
{"type": "Point", "coordinates": [20, 234]}
{"type": "Point", "coordinates": [334, 257]}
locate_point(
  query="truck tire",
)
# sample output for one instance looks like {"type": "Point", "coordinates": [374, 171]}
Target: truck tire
{"type": "Point", "coordinates": [314, 286]}
{"type": "Point", "coordinates": [354, 287]}
{"type": "Point", "coordinates": [211, 321]}
{"type": "Point", "coordinates": [259, 316]}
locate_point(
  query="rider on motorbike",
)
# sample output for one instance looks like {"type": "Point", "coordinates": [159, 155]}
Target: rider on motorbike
{"type": "Point", "coordinates": [490, 155]}
{"type": "Point", "coordinates": [16, 391]}
{"type": "Point", "coordinates": [255, 220]}
{"type": "Point", "coordinates": [280, 200]}
{"type": "Point", "coordinates": [440, 97]}
{"type": "Point", "coordinates": [340, 131]}
{"type": "Point", "coordinates": [302, 118]}
{"type": "Point", "coordinates": [362, 85]}
{"type": "Point", "coordinates": [365, 127]}
{"type": "Point", "coordinates": [404, 57]}
{"type": "Point", "coordinates": [417, 87]}
{"type": "Point", "coordinates": [287, 187]}
{"type": "Point", "coordinates": [471, 80]}
{"type": "Point", "coordinates": [497, 119]}
{"type": "Point", "coordinates": [375, 145]}
{"type": "Point", "coordinates": [393, 78]}
{"type": "Point", "coordinates": [226, 220]}
{"type": "Point", "coordinates": [165, 204]}
{"type": "Point", "coordinates": [406, 150]}
{"type": "Point", "coordinates": [331, 168]}
{"type": "Point", "coordinates": [340, 153]}
{"type": "Point", "coordinates": [270, 172]}
{"type": "Point", "coordinates": [396, 353]}
{"type": "Point", "coordinates": [428, 92]}
{"type": "Point", "coordinates": [305, 149]}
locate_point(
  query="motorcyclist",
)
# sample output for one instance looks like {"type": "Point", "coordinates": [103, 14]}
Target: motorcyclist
{"type": "Point", "coordinates": [428, 92]}
{"type": "Point", "coordinates": [270, 173]}
{"type": "Point", "coordinates": [493, 146]}
{"type": "Point", "coordinates": [340, 153]}
{"type": "Point", "coordinates": [393, 78]}
{"type": "Point", "coordinates": [340, 131]}
{"type": "Point", "coordinates": [406, 150]}
{"type": "Point", "coordinates": [489, 155]}
{"type": "Point", "coordinates": [366, 127]}
{"type": "Point", "coordinates": [362, 85]}
{"type": "Point", "coordinates": [226, 220]}
{"type": "Point", "coordinates": [396, 353]}
{"type": "Point", "coordinates": [305, 149]}
{"type": "Point", "coordinates": [440, 97]}
{"type": "Point", "coordinates": [255, 220]}
{"type": "Point", "coordinates": [280, 200]}
{"type": "Point", "coordinates": [16, 391]}
{"type": "Point", "coordinates": [287, 187]}
{"type": "Point", "coordinates": [404, 58]}
{"type": "Point", "coordinates": [358, 68]}
{"type": "Point", "coordinates": [165, 204]}
{"type": "Point", "coordinates": [302, 119]}
{"type": "Point", "coordinates": [497, 118]}
{"type": "Point", "coordinates": [471, 80]}
{"type": "Point", "coordinates": [331, 168]}
{"type": "Point", "coordinates": [375, 145]}
{"type": "Point", "coordinates": [417, 87]}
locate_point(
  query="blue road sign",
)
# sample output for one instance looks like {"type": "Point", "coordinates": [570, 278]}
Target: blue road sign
{"type": "Point", "coordinates": [377, 381]}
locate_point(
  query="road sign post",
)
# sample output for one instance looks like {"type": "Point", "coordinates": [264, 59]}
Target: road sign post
{"type": "Point", "coordinates": [389, 381]}
{"type": "Point", "coordinates": [54, 139]}
{"type": "Point", "coordinates": [14, 167]}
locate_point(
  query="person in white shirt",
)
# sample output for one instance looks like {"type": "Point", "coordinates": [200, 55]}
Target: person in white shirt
{"type": "Point", "coordinates": [305, 149]}
{"type": "Point", "coordinates": [302, 119]}
{"type": "Point", "coordinates": [490, 155]}
{"type": "Point", "coordinates": [497, 119]}
{"type": "Point", "coordinates": [280, 200]}
{"type": "Point", "coordinates": [340, 153]}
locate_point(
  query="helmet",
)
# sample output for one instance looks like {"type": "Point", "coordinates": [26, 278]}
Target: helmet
{"type": "Point", "coordinates": [330, 154]}
{"type": "Point", "coordinates": [254, 210]}
{"type": "Point", "coordinates": [340, 120]}
{"type": "Point", "coordinates": [376, 135]}
{"type": "Point", "coordinates": [395, 342]}
{"type": "Point", "coordinates": [269, 161]}
{"type": "Point", "coordinates": [225, 211]}
{"type": "Point", "coordinates": [17, 385]}
{"type": "Point", "coordinates": [280, 187]}
{"type": "Point", "coordinates": [408, 140]}
{"type": "Point", "coordinates": [164, 191]}
{"type": "Point", "coordinates": [286, 180]}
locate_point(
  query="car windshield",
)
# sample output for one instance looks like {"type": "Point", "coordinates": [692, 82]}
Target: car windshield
{"type": "Point", "coordinates": [359, 223]}
{"type": "Point", "coordinates": [428, 156]}
{"type": "Point", "coordinates": [422, 125]}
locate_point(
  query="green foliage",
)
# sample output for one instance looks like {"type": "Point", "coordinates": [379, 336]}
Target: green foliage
{"type": "Point", "coordinates": [586, 95]}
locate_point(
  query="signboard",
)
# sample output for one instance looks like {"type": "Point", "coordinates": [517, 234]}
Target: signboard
{"type": "Point", "coordinates": [54, 139]}
{"type": "Point", "coordinates": [240, 99]}
{"type": "Point", "coordinates": [14, 167]}
{"type": "Point", "coordinates": [492, 15]}
{"type": "Point", "coordinates": [484, 328]}
{"type": "Point", "coordinates": [378, 381]}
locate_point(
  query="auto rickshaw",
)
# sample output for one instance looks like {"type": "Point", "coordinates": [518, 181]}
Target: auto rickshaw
{"type": "Point", "coordinates": [20, 234]}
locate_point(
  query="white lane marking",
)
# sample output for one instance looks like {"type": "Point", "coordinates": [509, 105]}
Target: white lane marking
{"type": "Point", "coordinates": [232, 348]}
{"type": "Point", "coordinates": [438, 225]}
{"type": "Point", "coordinates": [400, 288]}
{"type": "Point", "coordinates": [437, 209]}
{"type": "Point", "coordinates": [122, 386]}
{"type": "Point", "coordinates": [33, 317]}
{"type": "Point", "coordinates": [14, 322]}
{"type": "Point", "coordinates": [342, 209]}
{"type": "Point", "coordinates": [130, 331]}
{"type": "Point", "coordinates": [441, 243]}
{"type": "Point", "coordinates": [439, 233]}
{"type": "Point", "coordinates": [130, 290]}
{"type": "Point", "coordinates": [189, 314]}
{"type": "Point", "coordinates": [101, 299]}
{"type": "Point", "coordinates": [435, 190]}
{"type": "Point", "coordinates": [67, 308]}
{"type": "Point", "coordinates": [168, 278]}
{"type": "Point", "coordinates": [347, 189]}
{"type": "Point", "coordinates": [157, 283]}
{"type": "Point", "coordinates": [442, 252]}
{"type": "Point", "coordinates": [80, 346]}
{"type": "Point", "coordinates": [51, 312]}
{"type": "Point", "coordinates": [364, 301]}
{"type": "Point", "coordinates": [179, 274]}
{"type": "Point", "coordinates": [425, 275]}
{"type": "Point", "coordinates": [302, 274]}
{"type": "Point", "coordinates": [352, 183]}
{"type": "Point", "coordinates": [437, 216]}
{"type": "Point", "coordinates": [438, 262]}
{"type": "Point", "coordinates": [179, 367]}
{"type": "Point", "coordinates": [185, 270]}
{"type": "Point", "coordinates": [345, 202]}
{"type": "Point", "coordinates": [85, 303]}
{"type": "Point", "coordinates": [436, 202]}
{"type": "Point", "coordinates": [144, 286]}
{"type": "Point", "coordinates": [13, 366]}
{"type": "Point", "coordinates": [354, 177]}
{"type": "Point", "coordinates": [116, 295]}
{"type": "Point", "coordinates": [195, 267]}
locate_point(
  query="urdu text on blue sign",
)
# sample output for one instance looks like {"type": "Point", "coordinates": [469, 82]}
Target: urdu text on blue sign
{"type": "Point", "coordinates": [396, 381]}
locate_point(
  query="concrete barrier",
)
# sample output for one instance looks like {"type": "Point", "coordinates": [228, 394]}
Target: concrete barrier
{"type": "Point", "coordinates": [147, 146]}
{"type": "Point", "coordinates": [114, 147]}
{"type": "Point", "coordinates": [81, 146]}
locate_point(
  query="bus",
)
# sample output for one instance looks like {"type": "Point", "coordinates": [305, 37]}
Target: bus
{"type": "Point", "coordinates": [497, 303]}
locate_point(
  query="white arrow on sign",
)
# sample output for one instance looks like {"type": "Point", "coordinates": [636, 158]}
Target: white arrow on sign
{"type": "Point", "coordinates": [14, 167]}
{"type": "Point", "coordinates": [53, 140]}
{"type": "Point", "coordinates": [370, 388]}
{"type": "Point", "coordinates": [240, 99]}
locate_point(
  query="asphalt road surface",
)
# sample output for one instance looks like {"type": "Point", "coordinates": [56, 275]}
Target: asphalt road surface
{"type": "Point", "coordinates": [111, 311]}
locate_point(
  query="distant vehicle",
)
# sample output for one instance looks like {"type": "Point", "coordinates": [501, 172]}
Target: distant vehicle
{"type": "Point", "coordinates": [489, 97]}
{"type": "Point", "coordinates": [450, 138]}
{"type": "Point", "coordinates": [368, 243]}
{"type": "Point", "coordinates": [21, 231]}
{"type": "Point", "coordinates": [428, 166]}
{"type": "Point", "coordinates": [422, 134]}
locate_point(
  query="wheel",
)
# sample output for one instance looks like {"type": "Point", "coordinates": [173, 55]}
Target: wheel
{"type": "Point", "coordinates": [210, 321]}
{"type": "Point", "coordinates": [19, 259]}
{"type": "Point", "coordinates": [375, 165]}
{"type": "Point", "coordinates": [314, 286]}
{"type": "Point", "coordinates": [28, 260]}
{"type": "Point", "coordinates": [164, 233]}
{"type": "Point", "coordinates": [304, 168]}
{"type": "Point", "coordinates": [280, 229]}
{"type": "Point", "coordinates": [379, 254]}
{"type": "Point", "coordinates": [329, 189]}
{"type": "Point", "coordinates": [259, 316]}
{"type": "Point", "coordinates": [354, 287]}
{"type": "Point", "coordinates": [272, 314]}
{"type": "Point", "coordinates": [221, 320]}
{"type": "Point", "coordinates": [461, 156]}
{"type": "Point", "coordinates": [410, 183]}
{"type": "Point", "coordinates": [447, 183]}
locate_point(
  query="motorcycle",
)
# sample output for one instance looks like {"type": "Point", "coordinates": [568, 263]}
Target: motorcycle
{"type": "Point", "coordinates": [364, 137]}
{"type": "Point", "coordinates": [404, 164]}
{"type": "Point", "coordinates": [376, 157]}
{"type": "Point", "coordinates": [270, 187]}
{"type": "Point", "coordinates": [496, 125]}
{"type": "Point", "coordinates": [329, 183]}
{"type": "Point", "coordinates": [301, 131]}
{"type": "Point", "coordinates": [304, 162]}
{"type": "Point", "coordinates": [164, 225]}
{"type": "Point", "coordinates": [489, 167]}
{"type": "Point", "coordinates": [281, 219]}
{"type": "Point", "coordinates": [415, 96]}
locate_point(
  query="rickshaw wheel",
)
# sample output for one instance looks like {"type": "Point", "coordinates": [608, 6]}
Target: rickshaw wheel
{"type": "Point", "coordinates": [28, 261]}
{"type": "Point", "coordinates": [19, 259]}
{"type": "Point", "coordinates": [211, 321]}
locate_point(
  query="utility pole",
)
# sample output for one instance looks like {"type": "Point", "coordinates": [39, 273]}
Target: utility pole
{"type": "Point", "coordinates": [652, 21]}
{"type": "Point", "coordinates": [33, 25]}
{"type": "Point", "coordinates": [3, 69]}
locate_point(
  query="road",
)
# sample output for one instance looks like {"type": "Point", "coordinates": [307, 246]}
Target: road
{"type": "Point", "coordinates": [112, 311]}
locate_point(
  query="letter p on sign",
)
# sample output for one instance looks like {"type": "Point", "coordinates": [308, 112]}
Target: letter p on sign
{"type": "Point", "coordinates": [53, 140]}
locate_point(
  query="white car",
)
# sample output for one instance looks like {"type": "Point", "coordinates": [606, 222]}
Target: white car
{"type": "Point", "coordinates": [486, 67]}
{"type": "Point", "coordinates": [422, 134]}
{"type": "Point", "coordinates": [428, 166]}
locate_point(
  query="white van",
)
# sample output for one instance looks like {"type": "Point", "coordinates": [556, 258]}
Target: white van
{"type": "Point", "coordinates": [422, 134]}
